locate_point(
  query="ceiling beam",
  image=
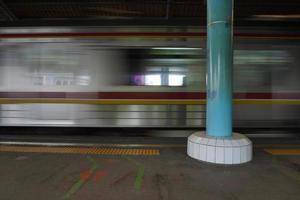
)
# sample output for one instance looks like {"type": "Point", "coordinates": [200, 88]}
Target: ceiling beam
{"type": "Point", "coordinates": [168, 9]}
{"type": "Point", "coordinates": [195, 22]}
{"type": "Point", "coordinates": [7, 12]}
{"type": "Point", "coordinates": [97, 22]}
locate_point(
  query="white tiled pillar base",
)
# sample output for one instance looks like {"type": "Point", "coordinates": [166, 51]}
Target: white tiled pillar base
{"type": "Point", "coordinates": [234, 150]}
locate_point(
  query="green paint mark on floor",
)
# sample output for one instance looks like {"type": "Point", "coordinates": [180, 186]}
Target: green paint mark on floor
{"type": "Point", "coordinates": [74, 189]}
{"type": "Point", "coordinates": [139, 178]}
{"type": "Point", "coordinates": [94, 165]}
{"type": "Point", "coordinates": [140, 173]}
{"type": "Point", "coordinates": [76, 186]}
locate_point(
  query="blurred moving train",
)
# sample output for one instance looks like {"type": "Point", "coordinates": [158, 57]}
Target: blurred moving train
{"type": "Point", "coordinates": [122, 79]}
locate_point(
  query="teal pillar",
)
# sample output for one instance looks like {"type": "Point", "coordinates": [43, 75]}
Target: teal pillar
{"type": "Point", "coordinates": [219, 68]}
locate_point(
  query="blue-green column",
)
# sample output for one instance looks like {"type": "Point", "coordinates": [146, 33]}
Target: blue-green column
{"type": "Point", "coordinates": [219, 68]}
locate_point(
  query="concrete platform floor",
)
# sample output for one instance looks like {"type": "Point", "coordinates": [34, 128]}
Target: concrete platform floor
{"type": "Point", "coordinates": [170, 175]}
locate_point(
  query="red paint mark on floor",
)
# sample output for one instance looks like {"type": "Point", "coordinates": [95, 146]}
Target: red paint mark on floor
{"type": "Point", "coordinates": [84, 175]}
{"type": "Point", "coordinates": [98, 175]}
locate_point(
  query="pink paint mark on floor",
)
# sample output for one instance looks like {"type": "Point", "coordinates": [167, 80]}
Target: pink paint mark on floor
{"type": "Point", "coordinates": [98, 175]}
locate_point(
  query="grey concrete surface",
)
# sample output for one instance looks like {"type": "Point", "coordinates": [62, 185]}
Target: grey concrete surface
{"type": "Point", "coordinates": [171, 175]}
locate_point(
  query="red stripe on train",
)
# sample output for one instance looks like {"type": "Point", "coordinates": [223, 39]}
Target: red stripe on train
{"type": "Point", "coordinates": [142, 95]}
{"type": "Point", "coordinates": [138, 34]}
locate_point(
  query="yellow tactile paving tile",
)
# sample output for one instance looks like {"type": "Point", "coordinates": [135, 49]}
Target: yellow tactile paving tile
{"type": "Point", "coordinates": [283, 151]}
{"type": "Point", "coordinates": [79, 150]}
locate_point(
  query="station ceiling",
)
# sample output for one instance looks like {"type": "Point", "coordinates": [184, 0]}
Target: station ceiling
{"type": "Point", "coordinates": [142, 12]}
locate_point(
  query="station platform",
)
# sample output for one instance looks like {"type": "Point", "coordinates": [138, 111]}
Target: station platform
{"type": "Point", "coordinates": [145, 170]}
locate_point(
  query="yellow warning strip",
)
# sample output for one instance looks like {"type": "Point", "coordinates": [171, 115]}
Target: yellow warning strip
{"type": "Point", "coordinates": [276, 145]}
{"type": "Point", "coordinates": [283, 151]}
{"type": "Point", "coordinates": [142, 101]}
{"type": "Point", "coordinates": [77, 150]}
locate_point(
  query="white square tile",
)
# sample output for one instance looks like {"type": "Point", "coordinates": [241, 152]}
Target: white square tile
{"type": "Point", "coordinates": [243, 142]}
{"type": "Point", "coordinates": [243, 154]}
{"type": "Point", "coordinates": [249, 152]}
{"type": "Point", "coordinates": [197, 151]}
{"type": "Point", "coordinates": [211, 154]}
{"type": "Point", "coordinates": [220, 157]}
{"type": "Point", "coordinates": [192, 137]}
{"type": "Point", "coordinates": [198, 140]}
{"type": "Point", "coordinates": [236, 155]}
{"type": "Point", "coordinates": [212, 142]}
{"type": "Point", "coordinates": [228, 155]}
{"type": "Point", "coordinates": [235, 143]}
{"type": "Point", "coordinates": [203, 150]}
{"type": "Point", "coordinates": [190, 148]}
{"type": "Point", "coordinates": [227, 143]}
{"type": "Point", "coordinates": [204, 141]}
{"type": "Point", "coordinates": [220, 143]}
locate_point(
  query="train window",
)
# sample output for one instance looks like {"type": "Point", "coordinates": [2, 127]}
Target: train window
{"type": "Point", "coordinates": [65, 82]}
{"type": "Point", "coordinates": [160, 76]}
{"type": "Point", "coordinates": [169, 67]}
{"type": "Point", "coordinates": [176, 80]}
{"type": "Point", "coordinates": [267, 57]}
{"type": "Point", "coordinates": [58, 82]}
{"type": "Point", "coordinates": [83, 80]}
{"type": "Point", "coordinates": [153, 80]}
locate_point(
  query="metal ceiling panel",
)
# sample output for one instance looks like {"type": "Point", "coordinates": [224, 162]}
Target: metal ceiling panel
{"type": "Point", "coordinates": [247, 12]}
